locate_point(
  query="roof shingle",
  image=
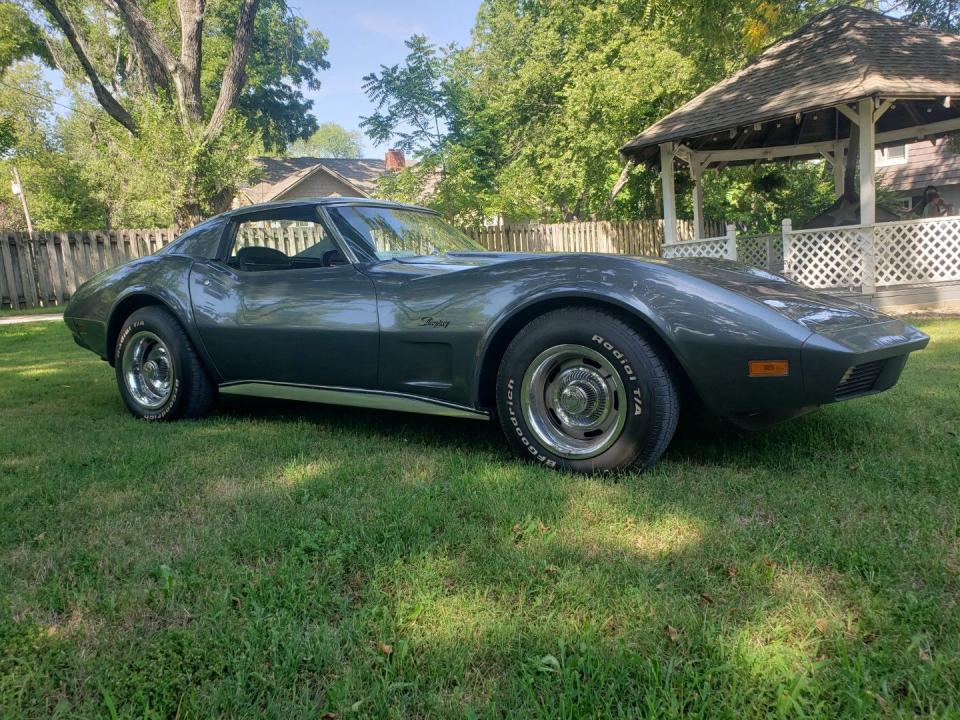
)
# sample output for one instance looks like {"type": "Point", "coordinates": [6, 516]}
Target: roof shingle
{"type": "Point", "coordinates": [839, 56]}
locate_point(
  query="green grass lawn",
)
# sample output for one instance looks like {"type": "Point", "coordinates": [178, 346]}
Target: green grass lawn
{"type": "Point", "coordinates": [289, 561]}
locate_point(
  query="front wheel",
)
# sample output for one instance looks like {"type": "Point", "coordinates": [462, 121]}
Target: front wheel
{"type": "Point", "coordinates": [159, 373]}
{"type": "Point", "coordinates": [580, 390]}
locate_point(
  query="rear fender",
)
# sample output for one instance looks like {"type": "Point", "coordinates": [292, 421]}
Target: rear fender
{"type": "Point", "coordinates": [165, 284]}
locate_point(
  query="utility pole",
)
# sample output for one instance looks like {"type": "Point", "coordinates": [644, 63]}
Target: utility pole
{"type": "Point", "coordinates": [17, 188]}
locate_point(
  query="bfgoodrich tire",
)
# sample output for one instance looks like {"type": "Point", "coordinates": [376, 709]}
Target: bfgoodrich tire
{"type": "Point", "coordinates": [580, 390]}
{"type": "Point", "coordinates": [159, 373]}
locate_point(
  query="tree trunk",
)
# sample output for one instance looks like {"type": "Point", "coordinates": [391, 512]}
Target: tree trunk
{"type": "Point", "coordinates": [850, 168]}
{"type": "Point", "coordinates": [156, 61]}
{"type": "Point", "coordinates": [618, 185]}
{"type": "Point", "coordinates": [191, 34]}
{"type": "Point", "coordinates": [234, 75]}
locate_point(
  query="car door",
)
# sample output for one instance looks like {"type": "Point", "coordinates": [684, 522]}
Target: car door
{"type": "Point", "coordinates": [283, 304]}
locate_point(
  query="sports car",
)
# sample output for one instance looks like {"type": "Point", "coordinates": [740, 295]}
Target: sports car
{"type": "Point", "coordinates": [582, 358]}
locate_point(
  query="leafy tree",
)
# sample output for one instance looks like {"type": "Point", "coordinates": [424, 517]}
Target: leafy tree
{"type": "Point", "coordinates": [20, 37]}
{"type": "Point", "coordinates": [412, 104]}
{"type": "Point", "coordinates": [940, 14]}
{"type": "Point", "coordinates": [329, 140]}
{"type": "Point", "coordinates": [143, 180]}
{"type": "Point", "coordinates": [534, 109]}
{"type": "Point", "coordinates": [757, 198]}
{"type": "Point", "coordinates": [529, 116]}
{"type": "Point", "coordinates": [59, 195]}
{"type": "Point", "coordinates": [284, 57]}
{"type": "Point", "coordinates": [218, 74]}
{"type": "Point", "coordinates": [586, 83]}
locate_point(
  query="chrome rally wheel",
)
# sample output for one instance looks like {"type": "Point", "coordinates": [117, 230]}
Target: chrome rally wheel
{"type": "Point", "coordinates": [159, 374]}
{"type": "Point", "coordinates": [574, 401]}
{"type": "Point", "coordinates": [148, 370]}
{"type": "Point", "coordinates": [580, 389]}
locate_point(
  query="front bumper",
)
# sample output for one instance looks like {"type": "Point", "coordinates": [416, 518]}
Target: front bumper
{"type": "Point", "coordinates": [859, 361]}
{"type": "Point", "coordinates": [837, 366]}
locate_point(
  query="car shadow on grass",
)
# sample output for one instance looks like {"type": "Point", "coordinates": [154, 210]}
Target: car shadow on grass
{"type": "Point", "coordinates": [412, 427]}
{"type": "Point", "coordinates": [701, 439]}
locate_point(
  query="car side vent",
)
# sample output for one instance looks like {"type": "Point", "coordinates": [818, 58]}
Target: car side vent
{"type": "Point", "coordinates": [859, 379]}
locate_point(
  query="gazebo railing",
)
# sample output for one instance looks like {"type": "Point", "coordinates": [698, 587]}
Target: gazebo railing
{"type": "Point", "coordinates": [825, 258]}
{"type": "Point", "coordinates": [724, 246]}
{"type": "Point", "coordinates": [855, 258]}
{"type": "Point", "coordinates": [918, 251]}
{"type": "Point", "coordinates": [762, 251]}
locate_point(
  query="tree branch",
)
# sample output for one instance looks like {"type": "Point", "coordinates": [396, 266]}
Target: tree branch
{"type": "Point", "coordinates": [107, 101]}
{"type": "Point", "coordinates": [234, 75]}
{"type": "Point", "coordinates": [157, 62]}
{"type": "Point", "coordinates": [618, 185]}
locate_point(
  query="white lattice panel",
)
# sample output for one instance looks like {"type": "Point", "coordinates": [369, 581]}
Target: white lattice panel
{"type": "Point", "coordinates": [753, 250]}
{"type": "Point", "coordinates": [776, 258]}
{"type": "Point", "coordinates": [707, 247]}
{"type": "Point", "coordinates": [918, 251]}
{"type": "Point", "coordinates": [825, 258]}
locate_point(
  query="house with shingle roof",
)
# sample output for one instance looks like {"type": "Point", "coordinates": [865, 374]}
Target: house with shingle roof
{"type": "Point", "coordinates": [296, 178]}
{"type": "Point", "coordinates": [911, 168]}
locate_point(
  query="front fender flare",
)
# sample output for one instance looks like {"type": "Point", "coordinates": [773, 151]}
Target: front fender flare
{"type": "Point", "coordinates": [550, 298]}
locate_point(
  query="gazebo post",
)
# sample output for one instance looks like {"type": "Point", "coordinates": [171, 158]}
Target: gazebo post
{"type": "Point", "coordinates": [868, 192]}
{"type": "Point", "coordinates": [669, 194]}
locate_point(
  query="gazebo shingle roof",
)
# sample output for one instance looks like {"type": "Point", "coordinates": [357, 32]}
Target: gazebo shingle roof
{"type": "Point", "coordinates": [839, 56]}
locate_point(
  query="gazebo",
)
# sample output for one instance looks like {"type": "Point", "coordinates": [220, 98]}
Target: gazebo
{"type": "Point", "coordinates": [847, 82]}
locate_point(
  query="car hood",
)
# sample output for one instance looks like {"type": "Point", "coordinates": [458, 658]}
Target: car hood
{"type": "Point", "coordinates": [814, 310]}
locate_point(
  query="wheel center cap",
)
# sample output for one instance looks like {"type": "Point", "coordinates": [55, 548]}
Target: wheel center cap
{"type": "Point", "coordinates": [574, 400]}
{"type": "Point", "coordinates": [150, 370]}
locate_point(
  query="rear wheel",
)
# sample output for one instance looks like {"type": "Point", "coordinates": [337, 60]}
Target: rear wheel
{"type": "Point", "coordinates": [158, 371]}
{"type": "Point", "coordinates": [581, 390]}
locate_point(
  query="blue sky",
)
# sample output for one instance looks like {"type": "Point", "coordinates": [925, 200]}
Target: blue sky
{"type": "Point", "coordinates": [366, 34]}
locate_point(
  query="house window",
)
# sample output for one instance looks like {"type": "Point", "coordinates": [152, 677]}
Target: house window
{"type": "Point", "coordinates": [892, 155]}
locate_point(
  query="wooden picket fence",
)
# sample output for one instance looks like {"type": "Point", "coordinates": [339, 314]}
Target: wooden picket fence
{"type": "Point", "coordinates": [46, 269]}
{"type": "Point", "coordinates": [626, 237]}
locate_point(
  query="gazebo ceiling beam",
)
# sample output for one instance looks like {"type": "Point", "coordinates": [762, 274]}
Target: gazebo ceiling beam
{"type": "Point", "coordinates": [919, 131]}
{"type": "Point", "coordinates": [773, 152]}
{"type": "Point", "coordinates": [881, 109]}
{"type": "Point", "coordinates": [912, 112]}
{"type": "Point", "coordinates": [737, 144]}
{"type": "Point", "coordinates": [851, 114]}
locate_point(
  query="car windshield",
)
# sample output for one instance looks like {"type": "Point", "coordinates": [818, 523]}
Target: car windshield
{"type": "Point", "coordinates": [385, 233]}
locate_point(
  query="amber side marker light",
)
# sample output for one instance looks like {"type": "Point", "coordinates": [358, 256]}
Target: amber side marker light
{"type": "Point", "coordinates": [768, 368]}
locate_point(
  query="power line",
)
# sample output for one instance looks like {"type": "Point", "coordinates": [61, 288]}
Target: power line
{"type": "Point", "coordinates": [49, 100]}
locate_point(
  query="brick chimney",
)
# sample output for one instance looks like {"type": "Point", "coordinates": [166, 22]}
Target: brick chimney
{"type": "Point", "coordinates": [394, 160]}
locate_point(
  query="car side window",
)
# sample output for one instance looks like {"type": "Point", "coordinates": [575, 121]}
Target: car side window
{"type": "Point", "coordinates": [262, 244]}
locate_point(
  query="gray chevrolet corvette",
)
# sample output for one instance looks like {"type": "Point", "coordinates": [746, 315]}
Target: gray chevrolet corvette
{"type": "Point", "coordinates": [583, 359]}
